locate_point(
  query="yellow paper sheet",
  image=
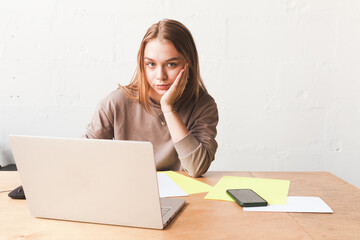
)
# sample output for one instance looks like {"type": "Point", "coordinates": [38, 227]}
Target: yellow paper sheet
{"type": "Point", "coordinates": [274, 191]}
{"type": "Point", "coordinates": [188, 184]}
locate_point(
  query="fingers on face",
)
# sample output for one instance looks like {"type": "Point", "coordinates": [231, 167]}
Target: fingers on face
{"type": "Point", "coordinates": [178, 78]}
{"type": "Point", "coordinates": [186, 71]}
{"type": "Point", "coordinates": [182, 78]}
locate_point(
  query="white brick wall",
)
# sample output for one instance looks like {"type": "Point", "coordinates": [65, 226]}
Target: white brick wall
{"type": "Point", "coordinates": [285, 73]}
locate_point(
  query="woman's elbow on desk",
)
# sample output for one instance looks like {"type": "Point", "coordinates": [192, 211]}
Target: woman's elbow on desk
{"type": "Point", "coordinates": [197, 168]}
{"type": "Point", "coordinates": [195, 173]}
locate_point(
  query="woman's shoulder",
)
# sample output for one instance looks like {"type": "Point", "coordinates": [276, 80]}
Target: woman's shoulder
{"type": "Point", "coordinates": [204, 102]}
{"type": "Point", "coordinates": [205, 98]}
{"type": "Point", "coordinates": [116, 97]}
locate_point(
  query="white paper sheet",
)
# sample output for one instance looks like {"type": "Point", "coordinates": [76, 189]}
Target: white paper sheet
{"type": "Point", "coordinates": [296, 204]}
{"type": "Point", "coordinates": [168, 188]}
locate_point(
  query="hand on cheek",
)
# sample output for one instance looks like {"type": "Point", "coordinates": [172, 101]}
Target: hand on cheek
{"type": "Point", "coordinates": [175, 91]}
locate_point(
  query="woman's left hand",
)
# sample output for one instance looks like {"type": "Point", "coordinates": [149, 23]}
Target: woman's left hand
{"type": "Point", "coordinates": [175, 91]}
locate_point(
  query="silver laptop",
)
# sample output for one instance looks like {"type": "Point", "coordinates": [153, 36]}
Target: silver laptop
{"type": "Point", "coordinates": [87, 180]}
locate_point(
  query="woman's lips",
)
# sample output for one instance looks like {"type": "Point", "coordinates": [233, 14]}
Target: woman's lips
{"type": "Point", "coordinates": [163, 86]}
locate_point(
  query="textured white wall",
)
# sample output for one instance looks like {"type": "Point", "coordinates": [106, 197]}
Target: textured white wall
{"type": "Point", "coordinates": [285, 73]}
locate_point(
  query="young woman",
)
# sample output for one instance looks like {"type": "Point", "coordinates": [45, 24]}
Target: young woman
{"type": "Point", "coordinates": [166, 103]}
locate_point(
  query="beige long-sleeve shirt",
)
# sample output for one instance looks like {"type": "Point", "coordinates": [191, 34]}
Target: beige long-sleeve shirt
{"type": "Point", "coordinates": [118, 117]}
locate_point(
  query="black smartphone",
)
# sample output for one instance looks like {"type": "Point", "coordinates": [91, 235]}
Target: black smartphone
{"type": "Point", "coordinates": [246, 197]}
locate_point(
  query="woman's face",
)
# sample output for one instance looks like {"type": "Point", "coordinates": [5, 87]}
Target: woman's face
{"type": "Point", "coordinates": [162, 65]}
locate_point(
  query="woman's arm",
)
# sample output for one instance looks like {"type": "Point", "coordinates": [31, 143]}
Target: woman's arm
{"type": "Point", "coordinates": [196, 146]}
{"type": "Point", "coordinates": [197, 150]}
{"type": "Point", "coordinates": [101, 125]}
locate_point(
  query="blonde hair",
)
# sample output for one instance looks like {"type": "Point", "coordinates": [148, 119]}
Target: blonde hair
{"type": "Point", "coordinates": [181, 38]}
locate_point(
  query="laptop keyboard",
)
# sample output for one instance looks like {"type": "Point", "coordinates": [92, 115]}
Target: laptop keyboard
{"type": "Point", "coordinates": [164, 210]}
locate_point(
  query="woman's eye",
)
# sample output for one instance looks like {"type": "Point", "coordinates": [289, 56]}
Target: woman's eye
{"type": "Point", "coordinates": [151, 64]}
{"type": "Point", "coordinates": [172, 64]}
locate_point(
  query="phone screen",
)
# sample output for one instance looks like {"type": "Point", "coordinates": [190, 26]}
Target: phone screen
{"type": "Point", "coordinates": [246, 197]}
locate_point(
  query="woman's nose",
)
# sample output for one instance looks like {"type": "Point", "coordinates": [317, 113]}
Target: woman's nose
{"type": "Point", "coordinates": [161, 74]}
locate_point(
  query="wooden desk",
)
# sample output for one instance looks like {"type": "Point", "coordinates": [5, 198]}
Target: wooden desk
{"type": "Point", "coordinates": [207, 219]}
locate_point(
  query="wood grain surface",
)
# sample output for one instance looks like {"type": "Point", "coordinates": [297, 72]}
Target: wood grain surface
{"type": "Point", "coordinates": [207, 219]}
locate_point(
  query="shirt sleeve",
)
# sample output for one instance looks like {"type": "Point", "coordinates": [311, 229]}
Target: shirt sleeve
{"type": "Point", "coordinates": [101, 124]}
{"type": "Point", "coordinates": [197, 150]}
